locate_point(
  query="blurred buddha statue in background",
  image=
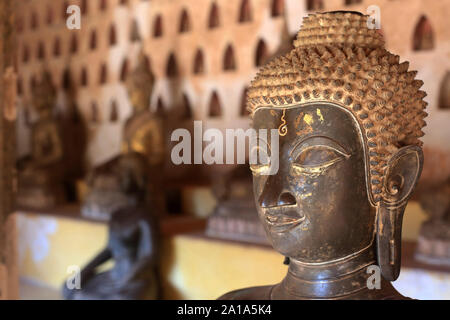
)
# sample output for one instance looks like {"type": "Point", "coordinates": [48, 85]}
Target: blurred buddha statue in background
{"type": "Point", "coordinates": [433, 244]}
{"type": "Point", "coordinates": [74, 138]}
{"type": "Point", "coordinates": [349, 117]}
{"type": "Point", "coordinates": [143, 131]}
{"type": "Point", "coordinates": [40, 175]}
{"type": "Point", "coordinates": [118, 190]}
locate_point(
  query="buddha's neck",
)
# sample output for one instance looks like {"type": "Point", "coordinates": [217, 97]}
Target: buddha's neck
{"type": "Point", "coordinates": [335, 279]}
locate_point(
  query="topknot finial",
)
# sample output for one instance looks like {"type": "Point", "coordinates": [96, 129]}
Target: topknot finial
{"type": "Point", "coordinates": [338, 28]}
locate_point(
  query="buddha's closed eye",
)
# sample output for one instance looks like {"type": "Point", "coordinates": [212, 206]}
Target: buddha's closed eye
{"type": "Point", "coordinates": [313, 159]}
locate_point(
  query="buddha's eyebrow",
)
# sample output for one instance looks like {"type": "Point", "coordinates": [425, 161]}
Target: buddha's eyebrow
{"type": "Point", "coordinates": [317, 141]}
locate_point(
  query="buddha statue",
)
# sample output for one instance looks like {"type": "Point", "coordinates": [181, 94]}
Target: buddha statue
{"type": "Point", "coordinates": [118, 190]}
{"type": "Point", "coordinates": [349, 118]}
{"type": "Point", "coordinates": [40, 176]}
{"type": "Point", "coordinates": [433, 243]}
{"type": "Point", "coordinates": [143, 130]}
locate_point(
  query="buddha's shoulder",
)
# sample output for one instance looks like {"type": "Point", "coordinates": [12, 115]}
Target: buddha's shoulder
{"type": "Point", "coordinates": [253, 293]}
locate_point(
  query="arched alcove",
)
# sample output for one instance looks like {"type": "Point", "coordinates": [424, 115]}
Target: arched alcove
{"type": "Point", "coordinates": [147, 63]}
{"type": "Point", "coordinates": [244, 112]}
{"type": "Point", "coordinates": [423, 38]}
{"type": "Point", "coordinates": [160, 107]}
{"type": "Point", "coordinates": [313, 5]}
{"type": "Point", "coordinates": [57, 47]}
{"type": "Point", "coordinates": [444, 93]}
{"type": "Point", "coordinates": [64, 7]}
{"type": "Point", "coordinates": [261, 53]}
{"type": "Point", "coordinates": [103, 74]}
{"type": "Point", "coordinates": [350, 2]}
{"type": "Point", "coordinates": [229, 62]}
{"type": "Point", "coordinates": [172, 67]}
{"type": "Point", "coordinates": [84, 80]}
{"type": "Point", "coordinates": [19, 86]}
{"type": "Point", "coordinates": [49, 15]}
{"type": "Point", "coordinates": [186, 112]}
{"type": "Point", "coordinates": [277, 8]}
{"type": "Point", "coordinates": [84, 7]}
{"type": "Point", "coordinates": [32, 83]}
{"type": "Point", "coordinates": [245, 13]}
{"type": "Point", "coordinates": [66, 79]}
{"type": "Point", "coordinates": [114, 112]}
{"type": "Point", "coordinates": [124, 70]}
{"type": "Point", "coordinates": [185, 22]}
{"type": "Point", "coordinates": [158, 27]}
{"type": "Point", "coordinates": [25, 54]}
{"type": "Point", "coordinates": [215, 107]}
{"type": "Point", "coordinates": [74, 44]}
{"type": "Point", "coordinates": [112, 35]}
{"type": "Point", "coordinates": [103, 5]}
{"type": "Point", "coordinates": [93, 40]}
{"type": "Point", "coordinates": [199, 63]}
{"type": "Point", "coordinates": [41, 51]}
{"type": "Point", "coordinates": [214, 18]}
{"type": "Point", "coordinates": [34, 21]}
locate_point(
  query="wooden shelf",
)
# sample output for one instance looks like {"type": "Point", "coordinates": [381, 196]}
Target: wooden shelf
{"type": "Point", "coordinates": [170, 225]}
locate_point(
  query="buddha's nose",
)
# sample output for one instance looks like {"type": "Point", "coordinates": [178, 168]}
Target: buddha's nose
{"type": "Point", "coordinates": [274, 194]}
{"type": "Point", "coordinates": [286, 199]}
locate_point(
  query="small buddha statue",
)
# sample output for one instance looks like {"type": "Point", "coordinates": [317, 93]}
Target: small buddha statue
{"type": "Point", "coordinates": [349, 118]}
{"type": "Point", "coordinates": [40, 176]}
{"type": "Point", "coordinates": [143, 130]}
{"type": "Point", "coordinates": [433, 243]}
{"type": "Point", "coordinates": [118, 189]}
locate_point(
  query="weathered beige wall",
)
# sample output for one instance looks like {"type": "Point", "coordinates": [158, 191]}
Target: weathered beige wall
{"type": "Point", "coordinates": [398, 21]}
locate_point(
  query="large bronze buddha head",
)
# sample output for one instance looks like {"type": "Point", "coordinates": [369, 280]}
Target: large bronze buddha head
{"type": "Point", "coordinates": [350, 118]}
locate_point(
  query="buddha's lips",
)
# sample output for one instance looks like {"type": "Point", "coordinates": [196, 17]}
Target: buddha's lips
{"type": "Point", "coordinates": [281, 220]}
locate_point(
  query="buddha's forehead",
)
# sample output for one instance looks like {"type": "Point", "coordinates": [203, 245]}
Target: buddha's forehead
{"type": "Point", "coordinates": [303, 121]}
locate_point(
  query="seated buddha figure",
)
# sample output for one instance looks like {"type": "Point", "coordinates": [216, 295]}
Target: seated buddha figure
{"type": "Point", "coordinates": [143, 130]}
{"type": "Point", "coordinates": [40, 175]}
{"type": "Point", "coordinates": [349, 118]}
{"type": "Point", "coordinates": [118, 191]}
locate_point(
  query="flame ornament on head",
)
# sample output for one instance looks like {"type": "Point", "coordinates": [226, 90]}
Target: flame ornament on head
{"type": "Point", "coordinates": [282, 129]}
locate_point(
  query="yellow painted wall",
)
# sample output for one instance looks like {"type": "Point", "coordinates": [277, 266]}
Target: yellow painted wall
{"type": "Point", "coordinates": [412, 220]}
{"type": "Point", "coordinates": [208, 269]}
{"type": "Point", "coordinates": [73, 243]}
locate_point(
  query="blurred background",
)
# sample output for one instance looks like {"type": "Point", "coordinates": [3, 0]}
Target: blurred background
{"type": "Point", "coordinates": [74, 100]}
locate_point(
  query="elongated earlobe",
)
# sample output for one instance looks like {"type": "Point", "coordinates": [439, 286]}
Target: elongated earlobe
{"type": "Point", "coordinates": [404, 169]}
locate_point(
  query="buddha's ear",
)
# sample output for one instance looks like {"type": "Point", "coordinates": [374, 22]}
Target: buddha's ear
{"type": "Point", "coordinates": [403, 172]}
